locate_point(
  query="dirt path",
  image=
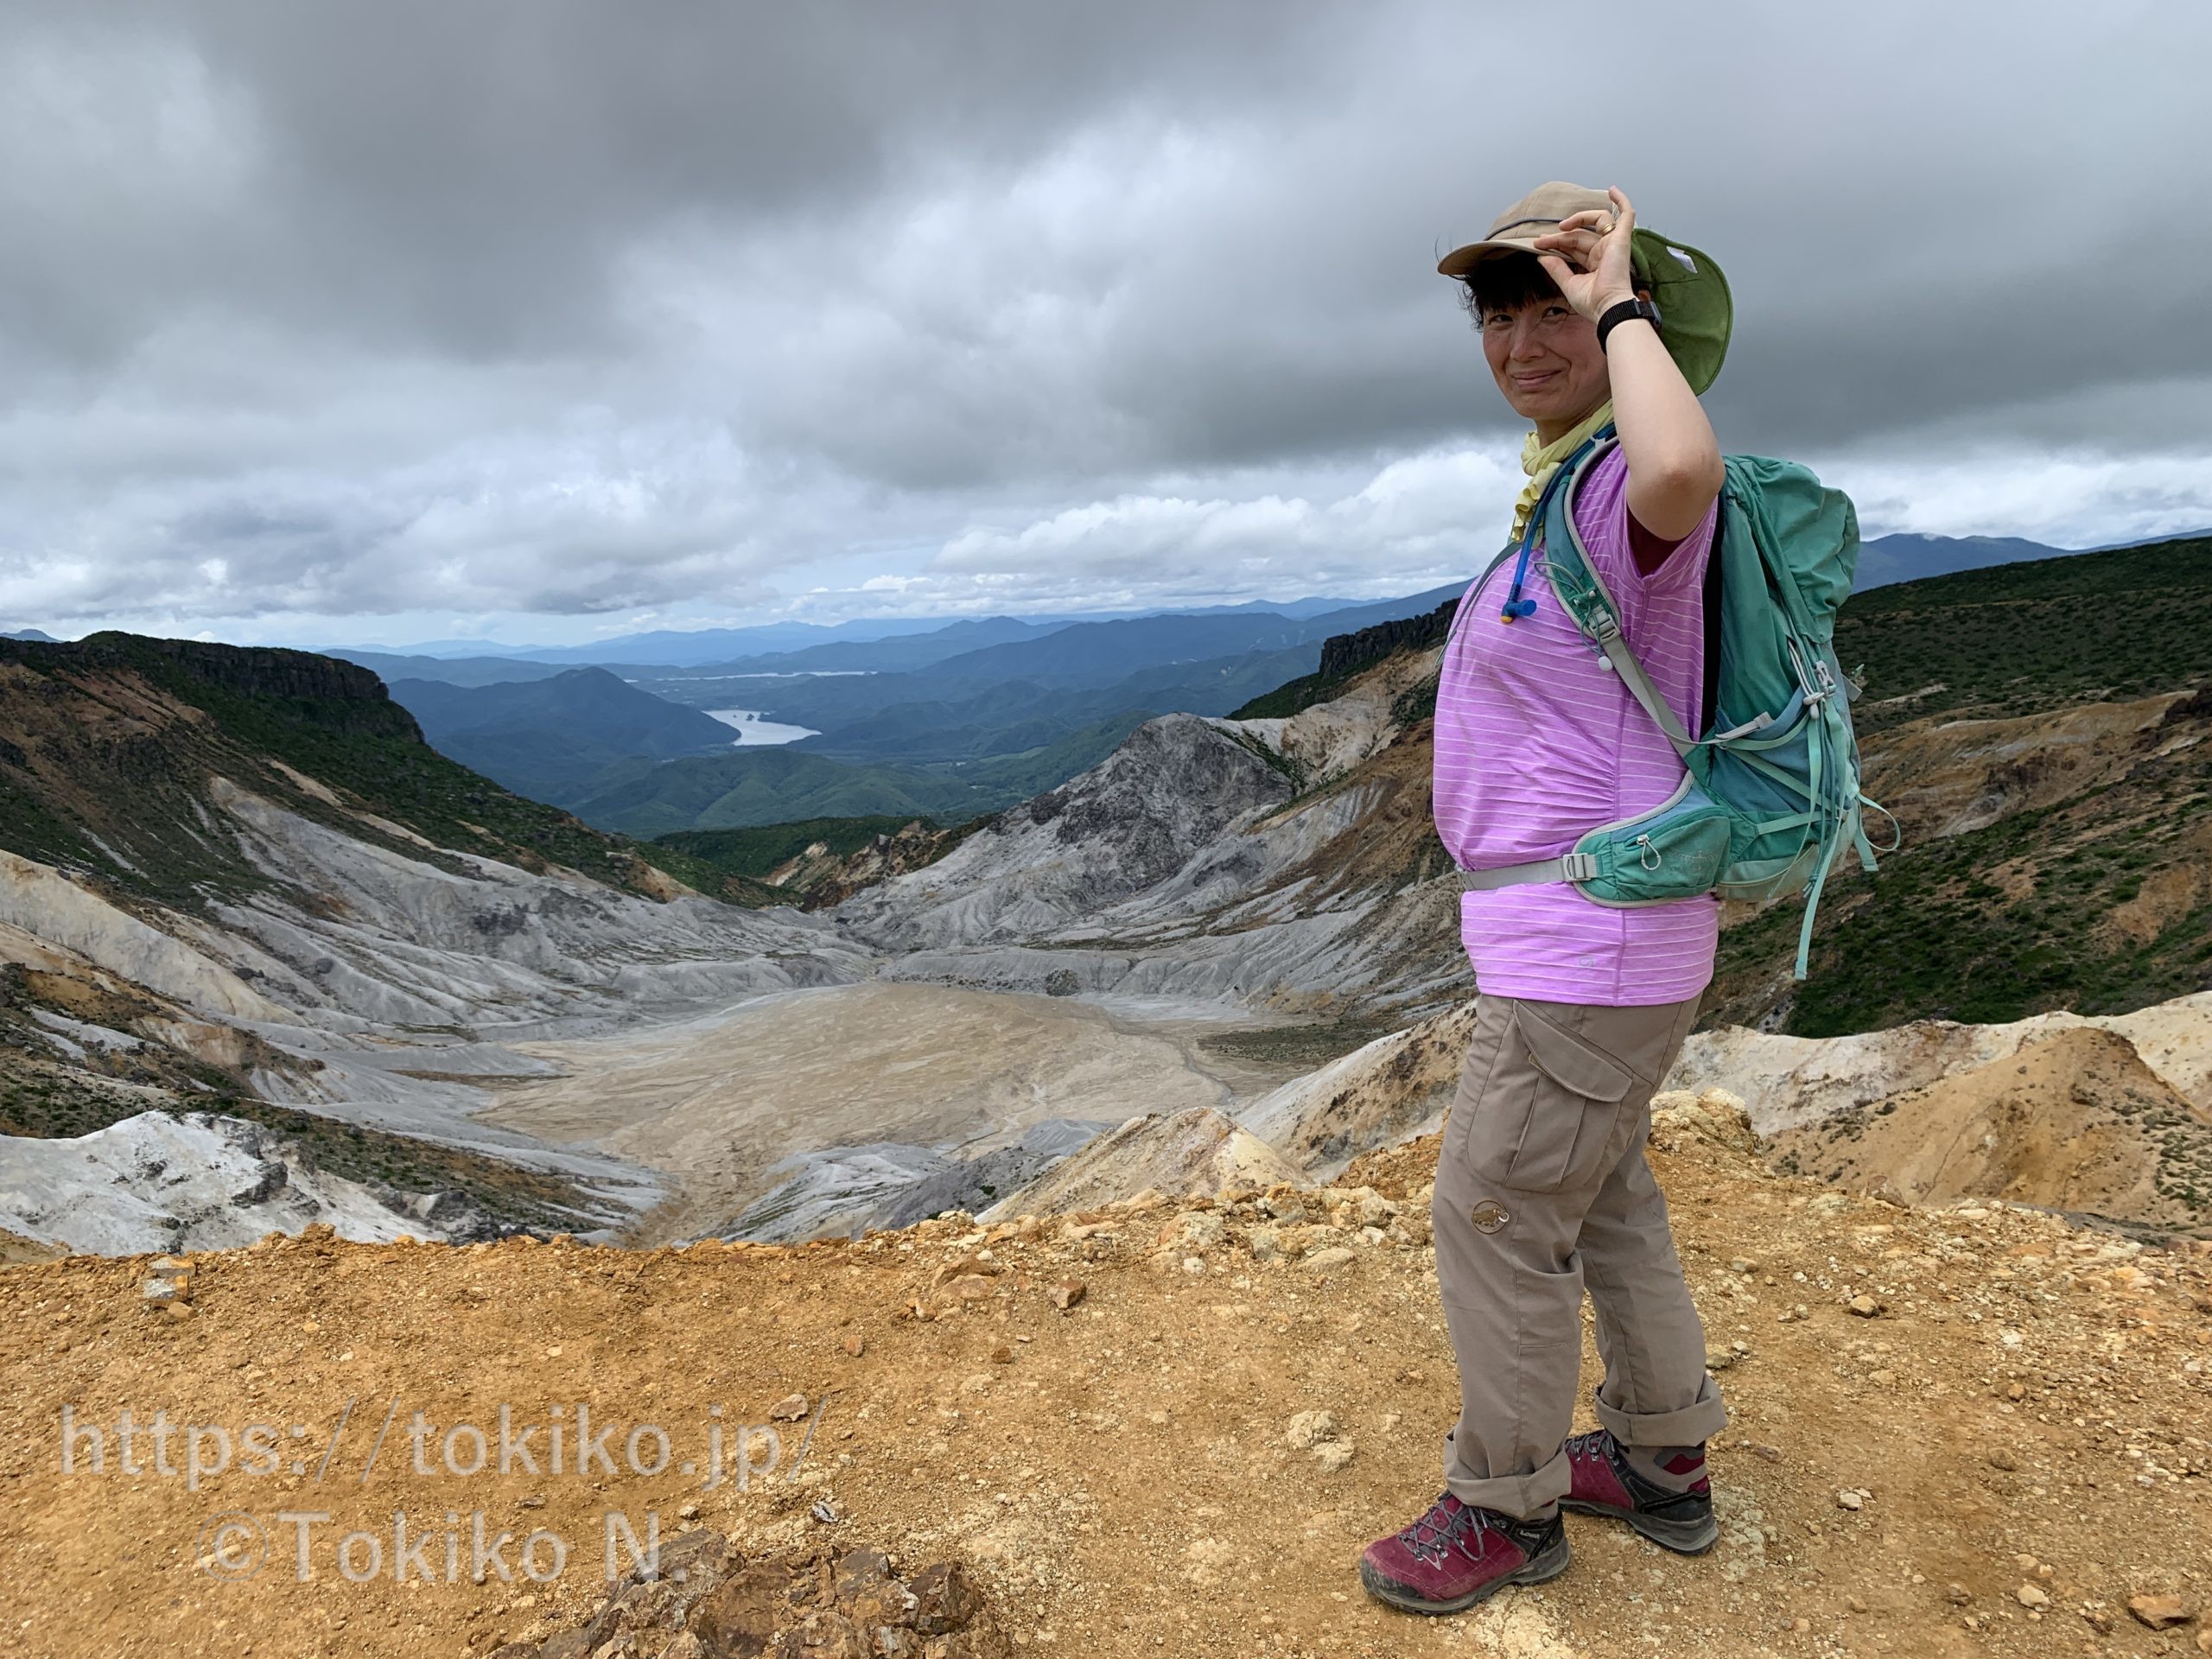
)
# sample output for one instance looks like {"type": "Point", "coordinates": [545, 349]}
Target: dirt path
{"type": "Point", "coordinates": [1118, 1474]}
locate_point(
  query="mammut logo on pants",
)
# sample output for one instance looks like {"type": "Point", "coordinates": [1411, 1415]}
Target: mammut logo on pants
{"type": "Point", "coordinates": [1489, 1216]}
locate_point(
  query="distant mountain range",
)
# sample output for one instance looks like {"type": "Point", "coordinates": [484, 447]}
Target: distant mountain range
{"type": "Point", "coordinates": [1886, 559]}
{"type": "Point", "coordinates": [427, 648]}
{"type": "Point", "coordinates": [451, 671]}
{"type": "Point", "coordinates": [910, 716]}
{"type": "Point", "coordinates": [966, 717]}
{"type": "Point", "coordinates": [749, 787]}
{"type": "Point", "coordinates": [871, 656]}
{"type": "Point", "coordinates": [679, 647]}
{"type": "Point", "coordinates": [1071, 654]}
{"type": "Point", "coordinates": [1882, 559]}
{"type": "Point", "coordinates": [1087, 640]}
{"type": "Point", "coordinates": [969, 717]}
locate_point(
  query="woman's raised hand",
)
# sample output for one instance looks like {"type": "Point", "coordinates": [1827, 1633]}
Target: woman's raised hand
{"type": "Point", "coordinates": [1588, 257]}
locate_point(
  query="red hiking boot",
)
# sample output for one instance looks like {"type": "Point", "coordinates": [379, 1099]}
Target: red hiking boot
{"type": "Point", "coordinates": [1455, 1555]}
{"type": "Point", "coordinates": [1605, 1484]}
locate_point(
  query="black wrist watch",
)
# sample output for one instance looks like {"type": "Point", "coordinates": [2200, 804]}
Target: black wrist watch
{"type": "Point", "coordinates": [1616, 315]}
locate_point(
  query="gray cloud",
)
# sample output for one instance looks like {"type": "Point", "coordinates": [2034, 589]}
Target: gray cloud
{"type": "Point", "coordinates": [566, 308]}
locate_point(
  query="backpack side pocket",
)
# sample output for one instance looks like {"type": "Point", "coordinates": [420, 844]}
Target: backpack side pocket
{"type": "Point", "coordinates": [1676, 851]}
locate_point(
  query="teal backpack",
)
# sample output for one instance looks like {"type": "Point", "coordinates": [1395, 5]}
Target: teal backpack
{"type": "Point", "coordinates": [1769, 794]}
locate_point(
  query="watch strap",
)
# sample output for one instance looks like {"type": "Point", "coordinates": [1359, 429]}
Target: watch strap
{"type": "Point", "coordinates": [1621, 311]}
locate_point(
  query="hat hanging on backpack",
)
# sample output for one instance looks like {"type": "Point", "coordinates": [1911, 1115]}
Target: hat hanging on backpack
{"type": "Point", "coordinates": [1694, 309]}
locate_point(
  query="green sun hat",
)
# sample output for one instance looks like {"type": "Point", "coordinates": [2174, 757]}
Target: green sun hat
{"type": "Point", "coordinates": [1695, 311]}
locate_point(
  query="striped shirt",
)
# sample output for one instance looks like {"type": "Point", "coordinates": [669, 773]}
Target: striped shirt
{"type": "Point", "coordinates": [1538, 741]}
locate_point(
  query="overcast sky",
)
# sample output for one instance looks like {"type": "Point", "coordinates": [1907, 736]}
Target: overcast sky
{"type": "Point", "coordinates": [550, 320]}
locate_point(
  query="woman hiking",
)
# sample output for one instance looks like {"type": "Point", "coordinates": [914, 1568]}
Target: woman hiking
{"type": "Point", "coordinates": [1542, 1191]}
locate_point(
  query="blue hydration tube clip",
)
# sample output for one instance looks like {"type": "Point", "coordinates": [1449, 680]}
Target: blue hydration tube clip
{"type": "Point", "coordinates": [1517, 606]}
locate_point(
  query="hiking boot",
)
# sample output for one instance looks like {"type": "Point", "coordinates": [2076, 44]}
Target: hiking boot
{"type": "Point", "coordinates": [1605, 1484]}
{"type": "Point", "coordinates": [1456, 1554]}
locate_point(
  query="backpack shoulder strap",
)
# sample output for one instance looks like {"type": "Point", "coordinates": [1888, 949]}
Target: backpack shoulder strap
{"type": "Point", "coordinates": [1709, 706]}
{"type": "Point", "coordinates": [1582, 594]}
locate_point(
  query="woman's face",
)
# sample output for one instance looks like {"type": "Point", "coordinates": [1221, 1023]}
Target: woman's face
{"type": "Point", "coordinates": [1546, 360]}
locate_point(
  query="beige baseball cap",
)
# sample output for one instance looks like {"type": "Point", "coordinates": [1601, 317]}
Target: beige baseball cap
{"type": "Point", "coordinates": [1695, 311]}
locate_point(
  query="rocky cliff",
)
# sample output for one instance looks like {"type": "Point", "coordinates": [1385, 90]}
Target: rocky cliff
{"type": "Point", "coordinates": [1344, 654]}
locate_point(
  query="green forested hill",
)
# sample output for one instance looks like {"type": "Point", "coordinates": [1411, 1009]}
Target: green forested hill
{"type": "Point", "coordinates": [765, 785]}
{"type": "Point", "coordinates": [549, 738]}
{"type": "Point", "coordinates": [2017, 637]}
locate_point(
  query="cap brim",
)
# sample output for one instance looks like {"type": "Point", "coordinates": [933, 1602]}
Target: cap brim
{"type": "Point", "coordinates": [1460, 261]}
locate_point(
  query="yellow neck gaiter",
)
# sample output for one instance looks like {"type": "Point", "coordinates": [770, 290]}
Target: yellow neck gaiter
{"type": "Point", "coordinates": [1540, 461]}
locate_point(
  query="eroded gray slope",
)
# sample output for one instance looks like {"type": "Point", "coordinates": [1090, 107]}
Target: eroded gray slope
{"type": "Point", "coordinates": [1177, 785]}
{"type": "Point", "coordinates": [382, 989]}
{"type": "Point", "coordinates": [1191, 864]}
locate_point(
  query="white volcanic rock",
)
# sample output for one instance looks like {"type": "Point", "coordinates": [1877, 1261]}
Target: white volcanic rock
{"type": "Point", "coordinates": [1789, 1082]}
{"type": "Point", "coordinates": [200, 1182]}
{"type": "Point", "coordinates": [396, 940]}
{"type": "Point", "coordinates": [40, 901]}
{"type": "Point", "coordinates": [1176, 785]}
{"type": "Point", "coordinates": [1182, 1154]}
{"type": "Point", "coordinates": [844, 1190]}
{"type": "Point", "coordinates": [1385, 943]}
{"type": "Point", "coordinates": [383, 988]}
{"type": "Point", "coordinates": [351, 937]}
{"type": "Point", "coordinates": [841, 1191]}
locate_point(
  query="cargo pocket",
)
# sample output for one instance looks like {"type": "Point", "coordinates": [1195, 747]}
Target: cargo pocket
{"type": "Point", "coordinates": [1572, 1103]}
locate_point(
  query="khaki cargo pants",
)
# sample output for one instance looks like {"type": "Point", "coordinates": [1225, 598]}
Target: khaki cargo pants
{"type": "Point", "coordinates": [1542, 1191]}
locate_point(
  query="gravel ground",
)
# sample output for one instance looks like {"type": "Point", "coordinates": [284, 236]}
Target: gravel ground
{"type": "Point", "coordinates": [1995, 1459]}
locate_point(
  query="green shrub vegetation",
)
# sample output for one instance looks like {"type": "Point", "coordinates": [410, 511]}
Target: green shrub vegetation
{"type": "Point", "coordinates": [2014, 639]}
{"type": "Point", "coordinates": [755, 787]}
{"type": "Point", "coordinates": [758, 848]}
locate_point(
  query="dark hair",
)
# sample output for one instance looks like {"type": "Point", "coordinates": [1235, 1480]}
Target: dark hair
{"type": "Point", "coordinates": [1506, 281]}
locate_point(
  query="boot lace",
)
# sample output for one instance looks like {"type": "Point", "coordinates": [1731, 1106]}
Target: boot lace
{"type": "Point", "coordinates": [1592, 1447]}
{"type": "Point", "coordinates": [1448, 1525]}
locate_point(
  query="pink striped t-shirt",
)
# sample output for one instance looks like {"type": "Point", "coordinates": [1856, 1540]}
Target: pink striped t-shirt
{"type": "Point", "coordinates": [1538, 741]}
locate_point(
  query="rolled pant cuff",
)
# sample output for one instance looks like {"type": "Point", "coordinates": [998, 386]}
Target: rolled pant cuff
{"type": "Point", "coordinates": [1521, 1496]}
{"type": "Point", "coordinates": [1693, 1425]}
